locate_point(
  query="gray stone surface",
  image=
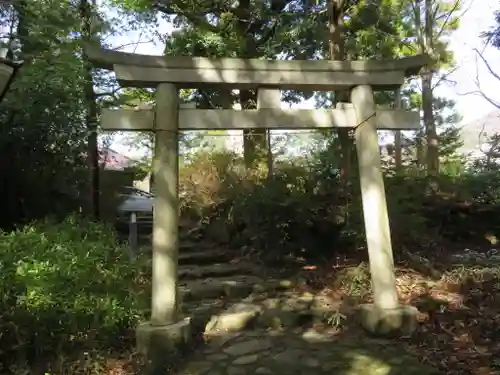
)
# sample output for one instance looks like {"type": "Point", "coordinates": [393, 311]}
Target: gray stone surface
{"type": "Point", "coordinates": [263, 371]}
{"type": "Point", "coordinates": [214, 270]}
{"type": "Point", "coordinates": [238, 317]}
{"type": "Point", "coordinates": [401, 321]}
{"type": "Point", "coordinates": [246, 360]}
{"type": "Point", "coordinates": [238, 286]}
{"type": "Point", "coordinates": [232, 370]}
{"type": "Point", "coordinates": [248, 347]}
{"type": "Point", "coordinates": [162, 338]}
{"type": "Point", "coordinates": [279, 352]}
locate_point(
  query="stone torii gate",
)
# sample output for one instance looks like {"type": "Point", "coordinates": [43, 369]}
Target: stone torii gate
{"type": "Point", "coordinates": [168, 74]}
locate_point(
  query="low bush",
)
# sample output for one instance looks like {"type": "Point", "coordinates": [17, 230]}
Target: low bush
{"type": "Point", "coordinates": [65, 287]}
{"type": "Point", "coordinates": [303, 209]}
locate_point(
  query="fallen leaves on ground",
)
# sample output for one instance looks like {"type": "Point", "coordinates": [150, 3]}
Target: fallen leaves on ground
{"type": "Point", "coordinates": [459, 330]}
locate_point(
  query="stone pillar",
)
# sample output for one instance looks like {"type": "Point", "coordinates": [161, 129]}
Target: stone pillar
{"type": "Point", "coordinates": [166, 330]}
{"type": "Point", "coordinates": [384, 316]}
{"type": "Point", "coordinates": [165, 293]}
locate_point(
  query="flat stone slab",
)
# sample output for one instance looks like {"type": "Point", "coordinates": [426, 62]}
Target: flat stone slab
{"type": "Point", "coordinates": [302, 352]}
{"type": "Point", "coordinates": [229, 287]}
{"type": "Point", "coordinates": [238, 317]}
{"type": "Point", "coordinates": [194, 256]}
{"type": "Point", "coordinates": [236, 286]}
{"type": "Point", "coordinates": [214, 270]}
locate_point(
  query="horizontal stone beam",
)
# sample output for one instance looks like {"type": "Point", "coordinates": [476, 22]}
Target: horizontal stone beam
{"type": "Point", "coordinates": [210, 119]}
{"type": "Point", "coordinates": [106, 59]}
{"type": "Point", "coordinates": [127, 119]}
{"type": "Point", "coordinates": [317, 80]}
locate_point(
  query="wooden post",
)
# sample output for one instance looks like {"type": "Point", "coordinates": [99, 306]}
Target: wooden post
{"type": "Point", "coordinates": [269, 98]}
{"type": "Point", "coordinates": [132, 236]}
{"type": "Point", "coordinates": [376, 218]}
{"type": "Point", "coordinates": [397, 135]}
{"type": "Point", "coordinates": [165, 288]}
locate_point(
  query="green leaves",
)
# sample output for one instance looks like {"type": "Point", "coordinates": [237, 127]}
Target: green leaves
{"type": "Point", "coordinates": [64, 280]}
{"type": "Point", "coordinates": [493, 35]}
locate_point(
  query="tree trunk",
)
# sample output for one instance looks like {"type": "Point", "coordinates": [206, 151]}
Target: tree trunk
{"type": "Point", "coordinates": [255, 148]}
{"type": "Point", "coordinates": [270, 158]}
{"type": "Point", "coordinates": [420, 149]}
{"type": "Point", "coordinates": [336, 44]}
{"type": "Point", "coordinates": [432, 155]}
{"type": "Point", "coordinates": [91, 112]}
{"type": "Point", "coordinates": [255, 144]}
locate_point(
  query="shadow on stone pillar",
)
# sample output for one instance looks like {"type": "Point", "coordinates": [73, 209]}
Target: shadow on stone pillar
{"type": "Point", "coordinates": [385, 317]}
{"type": "Point", "coordinates": [167, 333]}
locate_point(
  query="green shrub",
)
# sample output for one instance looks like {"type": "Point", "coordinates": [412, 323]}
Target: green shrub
{"type": "Point", "coordinates": [304, 209]}
{"type": "Point", "coordinates": [63, 287]}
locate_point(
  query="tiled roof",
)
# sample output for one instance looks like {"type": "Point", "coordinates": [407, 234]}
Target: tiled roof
{"type": "Point", "coordinates": [114, 160]}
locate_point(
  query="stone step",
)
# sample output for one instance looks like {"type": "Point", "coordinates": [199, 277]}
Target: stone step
{"type": "Point", "coordinates": [236, 286]}
{"type": "Point", "coordinates": [188, 256]}
{"type": "Point", "coordinates": [215, 270]}
{"type": "Point", "coordinates": [196, 252]}
{"type": "Point", "coordinates": [184, 244]}
{"type": "Point", "coordinates": [239, 286]}
{"type": "Point", "coordinates": [207, 306]}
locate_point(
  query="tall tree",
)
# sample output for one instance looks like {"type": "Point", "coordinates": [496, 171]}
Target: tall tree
{"type": "Point", "coordinates": [447, 122]}
{"type": "Point", "coordinates": [432, 23]}
{"type": "Point", "coordinates": [359, 30]}
{"type": "Point", "coordinates": [42, 140]}
{"type": "Point", "coordinates": [87, 10]}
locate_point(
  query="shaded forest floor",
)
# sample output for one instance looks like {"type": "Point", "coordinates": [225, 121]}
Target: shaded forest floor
{"type": "Point", "coordinates": [459, 314]}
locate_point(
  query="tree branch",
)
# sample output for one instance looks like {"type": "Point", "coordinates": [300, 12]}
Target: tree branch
{"type": "Point", "coordinates": [108, 93]}
{"type": "Point", "coordinates": [195, 16]}
{"type": "Point", "coordinates": [479, 91]}
{"type": "Point", "coordinates": [488, 66]}
{"type": "Point", "coordinates": [269, 34]}
{"type": "Point", "coordinates": [135, 44]}
{"type": "Point", "coordinates": [415, 5]}
{"type": "Point", "coordinates": [453, 9]}
{"type": "Point", "coordinates": [444, 77]}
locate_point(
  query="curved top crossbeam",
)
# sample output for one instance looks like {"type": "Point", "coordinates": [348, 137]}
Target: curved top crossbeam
{"type": "Point", "coordinates": [148, 71]}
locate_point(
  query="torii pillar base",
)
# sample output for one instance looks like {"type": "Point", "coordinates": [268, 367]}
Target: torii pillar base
{"type": "Point", "coordinates": [160, 343]}
{"type": "Point", "coordinates": [392, 323]}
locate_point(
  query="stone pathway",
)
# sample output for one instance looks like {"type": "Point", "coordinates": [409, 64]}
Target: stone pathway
{"type": "Point", "coordinates": [253, 324]}
{"type": "Point", "coordinates": [300, 352]}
